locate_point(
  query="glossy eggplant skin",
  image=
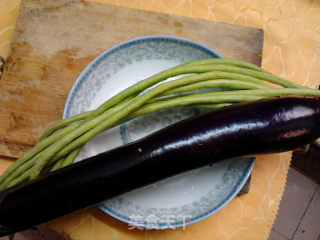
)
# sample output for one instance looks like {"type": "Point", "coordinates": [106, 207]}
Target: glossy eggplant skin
{"type": "Point", "coordinates": [264, 126]}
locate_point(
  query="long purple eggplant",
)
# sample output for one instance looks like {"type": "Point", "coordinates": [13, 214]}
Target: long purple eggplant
{"type": "Point", "coordinates": [264, 126]}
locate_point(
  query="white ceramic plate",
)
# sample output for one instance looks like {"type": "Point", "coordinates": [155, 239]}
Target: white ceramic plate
{"type": "Point", "coordinates": [180, 200]}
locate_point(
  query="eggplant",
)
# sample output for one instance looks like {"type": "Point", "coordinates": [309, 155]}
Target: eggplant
{"type": "Point", "coordinates": [263, 126]}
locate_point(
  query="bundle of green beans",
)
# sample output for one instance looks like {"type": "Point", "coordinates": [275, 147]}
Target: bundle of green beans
{"type": "Point", "coordinates": [60, 143]}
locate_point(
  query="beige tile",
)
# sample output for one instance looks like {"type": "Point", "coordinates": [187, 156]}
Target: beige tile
{"type": "Point", "coordinates": [295, 200]}
{"type": "Point", "coordinates": [274, 235]}
{"type": "Point", "coordinates": [309, 227]}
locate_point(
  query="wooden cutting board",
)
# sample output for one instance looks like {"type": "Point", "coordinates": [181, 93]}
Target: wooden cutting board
{"type": "Point", "coordinates": [54, 41]}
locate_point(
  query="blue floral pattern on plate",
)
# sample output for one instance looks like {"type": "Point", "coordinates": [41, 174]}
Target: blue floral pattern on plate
{"type": "Point", "coordinates": [175, 202]}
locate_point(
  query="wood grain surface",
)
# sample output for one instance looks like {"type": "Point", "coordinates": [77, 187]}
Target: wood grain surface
{"type": "Point", "coordinates": [54, 41]}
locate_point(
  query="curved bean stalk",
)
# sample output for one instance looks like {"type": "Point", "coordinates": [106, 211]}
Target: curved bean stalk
{"type": "Point", "coordinates": [58, 149]}
{"type": "Point", "coordinates": [60, 144]}
{"type": "Point", "coordinates": [196, 99]}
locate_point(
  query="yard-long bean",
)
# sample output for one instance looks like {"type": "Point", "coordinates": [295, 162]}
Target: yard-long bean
{"type": "Point", "coordinates": [60, 143]}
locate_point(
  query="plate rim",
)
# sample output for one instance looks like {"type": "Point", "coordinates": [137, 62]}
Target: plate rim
{"type": "Point", "coordinates": [121, 45]}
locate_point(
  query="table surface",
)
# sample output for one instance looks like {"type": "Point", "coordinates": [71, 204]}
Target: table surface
{"type": "Point", "coordinates": [291, 50]}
